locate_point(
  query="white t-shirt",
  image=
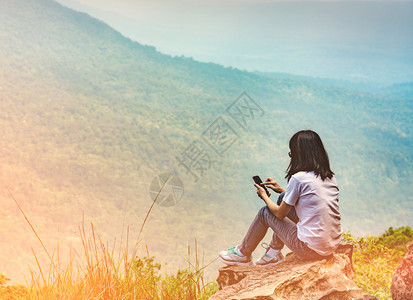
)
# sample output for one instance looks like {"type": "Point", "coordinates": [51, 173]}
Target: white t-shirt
{"type": "Point", "coordinates": [316, 205]}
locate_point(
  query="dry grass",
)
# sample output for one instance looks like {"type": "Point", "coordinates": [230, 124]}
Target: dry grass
{"type": "Point", "coordinates": [97, 272]}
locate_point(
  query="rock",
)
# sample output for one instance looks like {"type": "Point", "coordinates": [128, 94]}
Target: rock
{"type": "Point", "coordinates": [293, 279]}
{"type": "Point", "coordinates": [402, 283]}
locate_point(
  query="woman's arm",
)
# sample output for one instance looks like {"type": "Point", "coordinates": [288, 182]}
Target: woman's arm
{"type": "Point", "coordinates": [279, 211]}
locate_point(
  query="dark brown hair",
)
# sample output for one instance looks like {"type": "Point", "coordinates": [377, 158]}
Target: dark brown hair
{"type": "Point", "coordinates": [308, 154]}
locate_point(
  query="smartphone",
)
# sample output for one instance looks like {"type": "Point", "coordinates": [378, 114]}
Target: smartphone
{"type": "Point", "coordinates": [258, 181]}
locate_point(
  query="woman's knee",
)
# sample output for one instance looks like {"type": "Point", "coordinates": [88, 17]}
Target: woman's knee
{"type": "Point", "coordinates": [280, 198]}
{"type": "Point", "coordinates": [263, 211]}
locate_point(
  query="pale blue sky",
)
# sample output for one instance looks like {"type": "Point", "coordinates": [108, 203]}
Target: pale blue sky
{"type": "Point", "coordinates": [137, 7]}
{"type": "Point", "coordinates": [350, 40]}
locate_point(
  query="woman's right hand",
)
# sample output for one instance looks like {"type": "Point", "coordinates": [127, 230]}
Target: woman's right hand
{"type": "Point", "coordinates": [272, 184]}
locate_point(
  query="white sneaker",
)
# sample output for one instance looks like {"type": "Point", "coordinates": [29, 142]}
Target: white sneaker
{"type": "Point", "coordinates": [234, 257]}
{"type": "Point", "coordinates": [268, 260]}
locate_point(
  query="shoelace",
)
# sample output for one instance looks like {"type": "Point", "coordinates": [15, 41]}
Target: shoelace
{"type": "Point", "coordinates": [265, 246]}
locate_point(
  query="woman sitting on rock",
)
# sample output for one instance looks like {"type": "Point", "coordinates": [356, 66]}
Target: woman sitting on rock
{"type": "Point", "coordinates": [312, 228]}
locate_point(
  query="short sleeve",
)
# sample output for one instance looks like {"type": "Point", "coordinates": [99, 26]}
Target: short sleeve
{"type": "Point", "coordinates": [292, 193]}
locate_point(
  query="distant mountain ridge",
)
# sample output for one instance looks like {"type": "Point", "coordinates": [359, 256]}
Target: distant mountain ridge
{"type": "Point", "coordinates": [365, 42]}
{"type": "Point", "coordinates": [90, 117]}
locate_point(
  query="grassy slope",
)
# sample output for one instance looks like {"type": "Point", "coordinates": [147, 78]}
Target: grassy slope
{"type": "Point", "coordinates": [105, 276]}
{"type": "Point", "coordinates": [89, 118]}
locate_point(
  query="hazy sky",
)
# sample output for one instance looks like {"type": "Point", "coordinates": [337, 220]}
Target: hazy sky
{"type": "Point", "coordinates": [129, 7]}
{"type": "Point", "coordinates": [351, 39]}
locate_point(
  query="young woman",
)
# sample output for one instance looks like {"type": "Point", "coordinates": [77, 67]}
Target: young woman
{"type": "Point", "coordinates": [306, 217]}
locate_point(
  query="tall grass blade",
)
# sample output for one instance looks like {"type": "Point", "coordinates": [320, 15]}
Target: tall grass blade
{"type": "Point", "coordinates": [148, 213]}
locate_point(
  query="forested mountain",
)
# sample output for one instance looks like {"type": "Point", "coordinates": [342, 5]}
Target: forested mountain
{"type": "Point", "coordinates": [368, 42]}
{"type": "Point", "coordinates": [89, 118]}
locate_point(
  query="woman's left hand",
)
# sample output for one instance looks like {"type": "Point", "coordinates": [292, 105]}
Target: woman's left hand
{"type": "Point", "coordinates": [261, 192]}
